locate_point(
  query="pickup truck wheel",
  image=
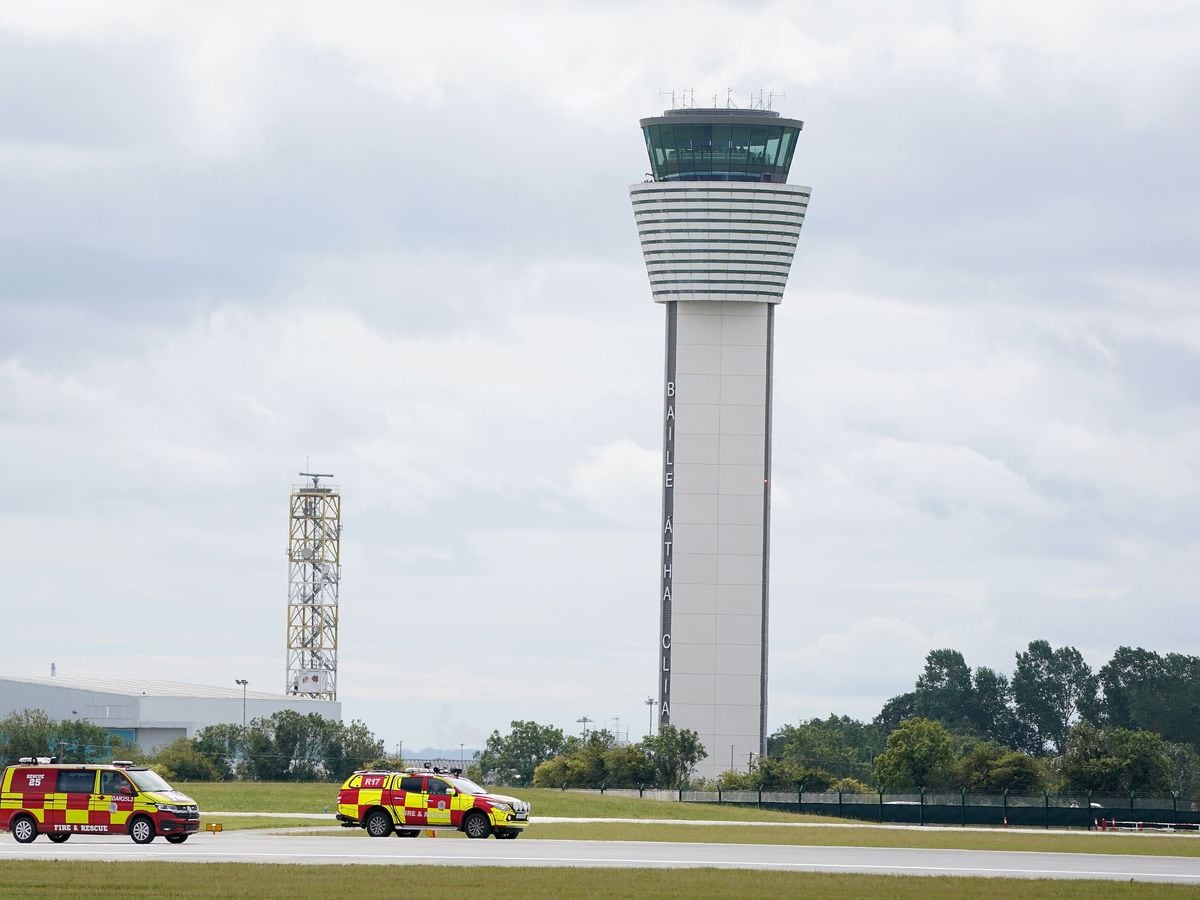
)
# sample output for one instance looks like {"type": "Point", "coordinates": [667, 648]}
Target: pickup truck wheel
{"type": "Point", "coordinates": [58, 838]}
{"type": "Point", "coordinates": [23, 829]}
{"type": "Point", "coordinates": [141, 830]}
{"type": "Point", "coordinates": [476, 825]}
{"type": "Point", "coordinates": [378, 823]}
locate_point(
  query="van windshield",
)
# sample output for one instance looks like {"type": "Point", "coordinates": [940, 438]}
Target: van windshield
{"type": "Point", "coordinates": [147, 780]}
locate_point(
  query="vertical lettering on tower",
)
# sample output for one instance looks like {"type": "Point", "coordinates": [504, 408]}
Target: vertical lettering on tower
{"type": "Point", "coordinates": [668, 529]}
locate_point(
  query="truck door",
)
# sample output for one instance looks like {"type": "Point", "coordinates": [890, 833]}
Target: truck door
{"type": "Point", "coordinates": [438, 793]}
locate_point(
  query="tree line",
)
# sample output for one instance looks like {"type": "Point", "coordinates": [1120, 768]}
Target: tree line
{"type": "Point", "coordinates": [542, 756]}
{"type": "Point", "coordinates": [1133, 725]}
{"type": "Point", "coordinates": [285, 746]}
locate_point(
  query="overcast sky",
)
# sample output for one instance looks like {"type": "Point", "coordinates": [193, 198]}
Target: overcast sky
{"type": "Point", "coordinates": [396, 244]}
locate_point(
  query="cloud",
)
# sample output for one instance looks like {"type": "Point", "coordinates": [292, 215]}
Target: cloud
{"type": "Point", "coordinates": [397, 242]}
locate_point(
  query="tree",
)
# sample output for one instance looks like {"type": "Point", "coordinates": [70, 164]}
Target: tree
{"type": "Point", "coordinates": [1144, 690]}
{"type": "Point", "coordinates": [181, 760]}
{"type": "Point", "coordinates": [988, 767]}
{"type": "Point", "coordinates": [838, 744]}
{"type": "Point", "coordinates": [346, 748]}
{"type": "Point", "coordinates": [992, 715]}
{"type": "Point", "coordinates": [222, 745]}
{"type": "Point", "coordinates": [674, 753]}
{"type": "Point", "coordinates": [1049, 687]}
{"type": "Point", "coordinates": [897, 710]}
{"type": "Point", "coordinates": [627, 766]}
{"type": "Point", "coordinates": [944, 692]}
{"type": "Point", "coordinates": [1116, 761]}
{"type": "Point", "coordinates": [27, 732]}
{"type": "Point", "coordinates": [513, 758]}
{"type": "Point", "coordinates": [30, 732]}
{"type": "Point", "coordinates": [919, 754]}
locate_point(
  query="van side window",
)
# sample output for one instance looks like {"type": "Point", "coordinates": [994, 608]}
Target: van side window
{"type": "Point", "coordinates": [111, 782]}
{"type": "Point", "coordinates": [76, 782]}
{"type": "Point", "coordinates": [411, 783]}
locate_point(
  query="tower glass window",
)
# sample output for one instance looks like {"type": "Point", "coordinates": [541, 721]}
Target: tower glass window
{"type": "Point", "coordinates": [720, 145]}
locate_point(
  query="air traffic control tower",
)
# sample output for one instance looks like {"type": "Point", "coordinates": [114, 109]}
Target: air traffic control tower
{"type": "Point", "coordinates": [718, 225]}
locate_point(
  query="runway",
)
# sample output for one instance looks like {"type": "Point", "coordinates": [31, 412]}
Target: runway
{"type": "Point", "coordinates": [293, 849]}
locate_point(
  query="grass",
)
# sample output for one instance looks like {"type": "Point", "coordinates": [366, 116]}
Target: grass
{"type": "Point", "coordinates": [868, 836]}
{"type": "Point", "coordinates": [232, 881]}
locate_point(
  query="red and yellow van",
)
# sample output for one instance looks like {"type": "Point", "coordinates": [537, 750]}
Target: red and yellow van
{"type": "Point", "coordinates": [61, 799]}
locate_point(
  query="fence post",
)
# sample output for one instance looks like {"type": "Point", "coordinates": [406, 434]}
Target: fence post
{"type": "Point", "coordinates": [1090, 819]}
{"type": "Point", "coordinates": [922, 806]}
{"type": "Point", "coordinates": [720, 796]}
{"type": "Point", "coordinates": [1131, 815]}
{"type": "Point", "coordinates": [681, 793]}
{"type": "Point", "coordinates": [1006, 807]}
{"type": "Point", "coordinates": [602, 789]}
{"type": "Point", "coordinates": [839, 801]}
{"type": "Point", "coordinates": [760, 795]}
{"type": "Point", "coordinates": [1175, 806]}
{"type": "Point", "coordinates": [1046, 800]}
{"type": "Point", "coordinates": [963, 791]}
{"type": "Point", "coordinates": [641, 790]}
{"type": "Point", "coordinates": [881, 804]}
{"type": "Point", "coordinates": [800, 795]}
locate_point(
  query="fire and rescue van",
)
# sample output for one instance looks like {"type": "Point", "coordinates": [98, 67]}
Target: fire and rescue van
{"type": "Point", "coordinates": [430, 799]}
{"type": "Point", "coordinates": [42, 796]}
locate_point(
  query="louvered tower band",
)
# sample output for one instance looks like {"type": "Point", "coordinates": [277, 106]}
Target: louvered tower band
{"type": "Point", "coordinates": [314, 570]}
{"type": "Point", "coordinates": [718, 225]}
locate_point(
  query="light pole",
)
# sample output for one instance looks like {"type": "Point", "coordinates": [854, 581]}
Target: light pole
{"type": "Point", "coordinates": [584, 720]}
{"type": "Point", "coordinates": [651, 702]}
{"type": "Point", "coordinates": [243, 682]}
{"type": "Point", "coordinates": [617, 725]}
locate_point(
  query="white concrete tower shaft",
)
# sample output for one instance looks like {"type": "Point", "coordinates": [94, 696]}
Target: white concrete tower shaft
{"type": "Point", "coordinates": [718, 227]}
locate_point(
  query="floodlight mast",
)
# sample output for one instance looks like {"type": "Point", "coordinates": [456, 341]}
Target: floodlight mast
{"type": "Point", "coordinates": [314, 573]}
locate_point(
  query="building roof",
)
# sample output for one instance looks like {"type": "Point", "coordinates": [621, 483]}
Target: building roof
{"type": "Point", "coordinates": [145, 687]}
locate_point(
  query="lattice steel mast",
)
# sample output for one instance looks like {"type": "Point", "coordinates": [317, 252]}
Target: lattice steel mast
{"type": "Point", "coordinates": [314, 570]}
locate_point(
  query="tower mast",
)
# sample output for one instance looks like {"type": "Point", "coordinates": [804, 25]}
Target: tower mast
{"type": "Point", "coordinates": [314, 571]}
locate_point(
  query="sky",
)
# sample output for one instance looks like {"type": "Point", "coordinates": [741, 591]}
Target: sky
{"type": "Point", "coordinates": [394, 243]}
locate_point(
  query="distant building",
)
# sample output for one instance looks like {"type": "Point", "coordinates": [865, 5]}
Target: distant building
{"type": "Point", "coordinates": [146, 712]}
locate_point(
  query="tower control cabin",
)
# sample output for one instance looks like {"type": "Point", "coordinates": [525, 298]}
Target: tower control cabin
{"type": "Point", "coordinates": [718, 224]}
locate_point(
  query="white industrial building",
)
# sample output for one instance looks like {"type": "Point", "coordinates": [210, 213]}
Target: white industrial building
{"type": "Point", "coordinates": [149, 713]}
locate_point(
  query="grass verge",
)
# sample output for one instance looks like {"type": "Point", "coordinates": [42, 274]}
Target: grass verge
{"type": "Point", "coordinates": [916, 838]}
{"type": "Point", "coordinates": [236, 880]}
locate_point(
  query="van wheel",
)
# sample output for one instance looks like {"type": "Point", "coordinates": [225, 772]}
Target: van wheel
{"type": "Point", "coordinates": [378, 823]}
{"type": "Point", "coordinates": [176, 838]}
{"type": "Point", "coordinates": [59, 838]}
{"type": "Point", "coordinates": [23, 829]}
{"type": "Point", "coordinates": [141, 830]}
{"type": "Point", "coordinates": [476, 825]}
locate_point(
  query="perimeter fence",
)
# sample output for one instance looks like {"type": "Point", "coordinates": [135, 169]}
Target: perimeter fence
{"type": "Point", "coordinates": [1045, 810]}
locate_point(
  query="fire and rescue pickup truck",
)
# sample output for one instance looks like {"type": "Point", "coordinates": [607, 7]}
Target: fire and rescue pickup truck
{"type": "Point", "coordinates": [415, 799]}
{"type": "Point", "coordinates": [40, 796]}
